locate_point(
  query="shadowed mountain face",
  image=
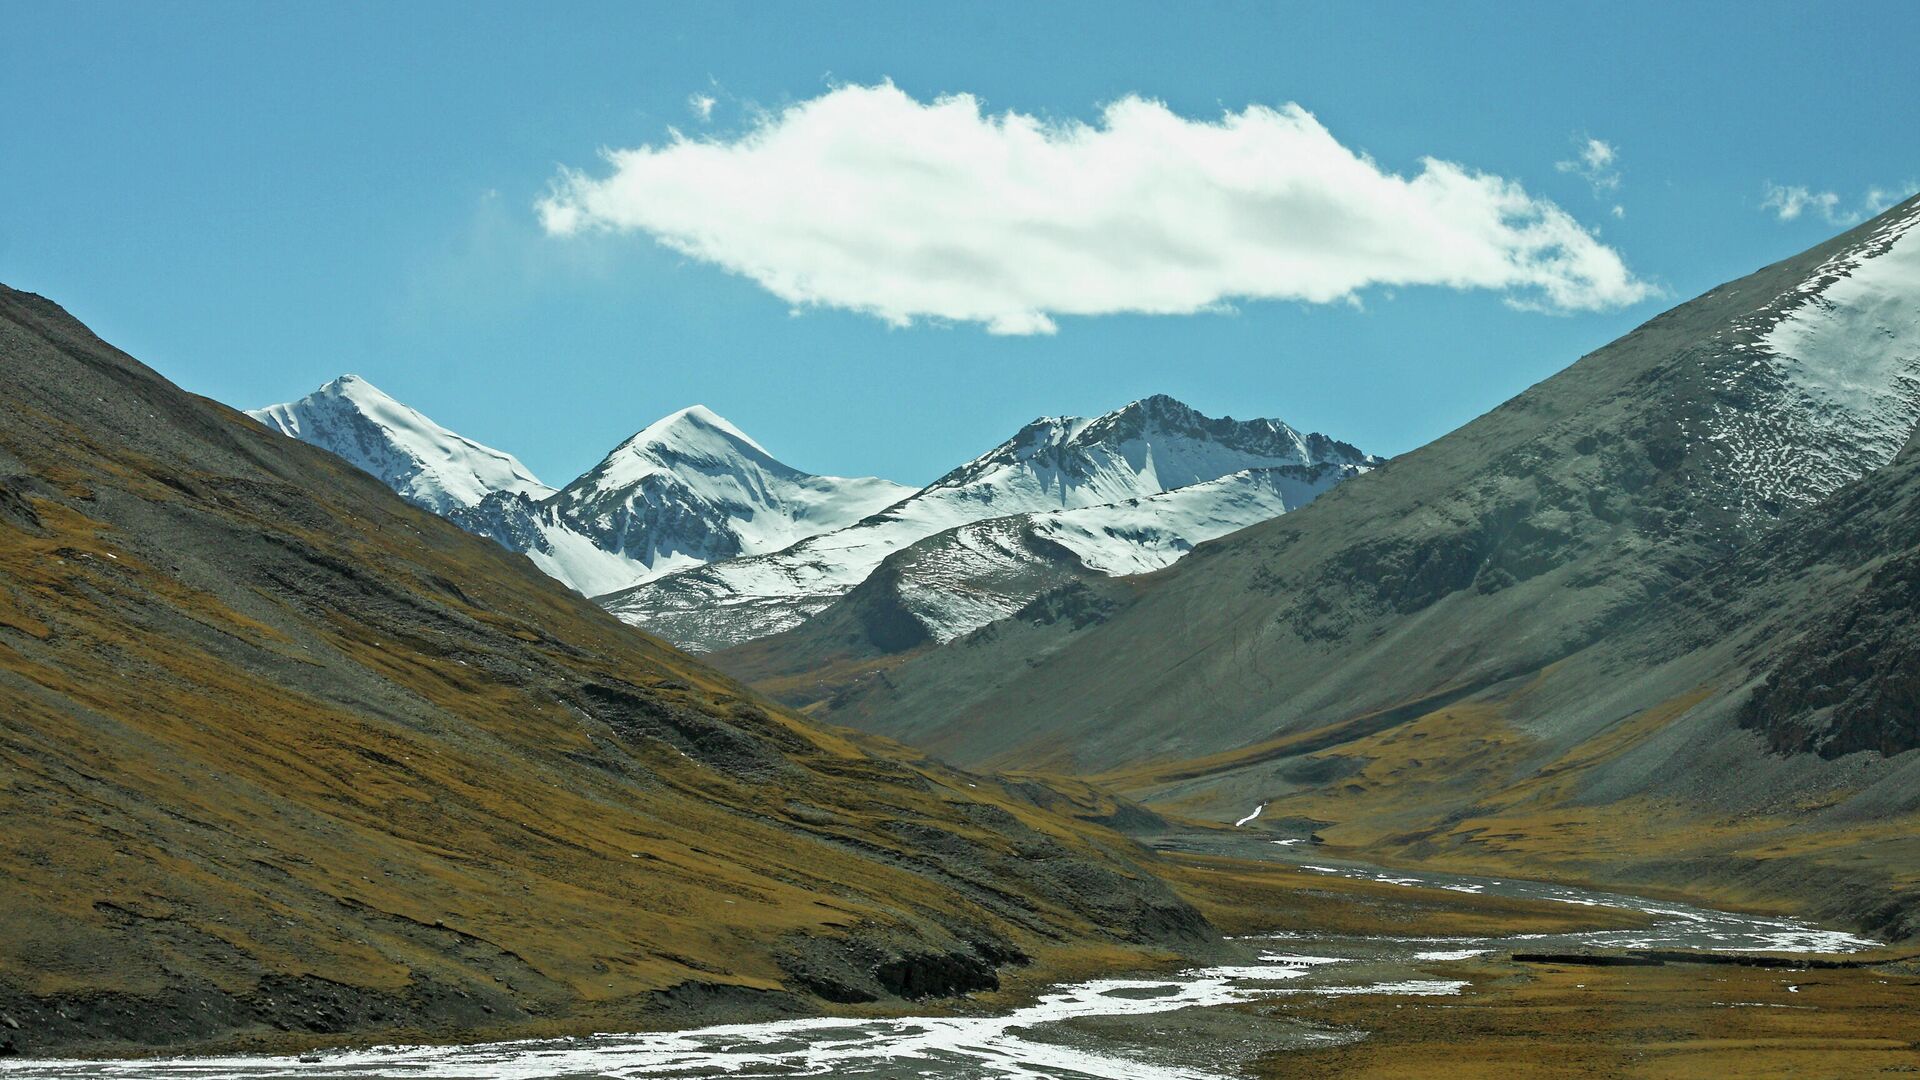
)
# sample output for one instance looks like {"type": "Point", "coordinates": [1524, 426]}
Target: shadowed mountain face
{"type": "Point", "coordinates": [1537, 641]}
{"type": "Point", "coordinates": [283, 752]}
{"type": "Point", "coordinates": [1845, 579]}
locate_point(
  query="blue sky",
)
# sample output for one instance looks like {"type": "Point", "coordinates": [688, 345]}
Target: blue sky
{"type": "Point", "coordinates": [254, 198]}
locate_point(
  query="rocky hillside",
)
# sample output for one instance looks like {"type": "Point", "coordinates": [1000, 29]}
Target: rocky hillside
{"type": "Point", "coordinates": [1647, 619]}
{"type": "Point", "coordinates": [284, 753]}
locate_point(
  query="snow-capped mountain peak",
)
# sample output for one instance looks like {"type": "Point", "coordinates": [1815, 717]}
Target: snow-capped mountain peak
{"type": "Point", "coordinates": [693, 432]}
{"type": "Point", "coordinates": [1055, 463]}
{"type": "Point", "coordinates": [1155, 444]}
{"type": "Point", "coordinates": [428, 465]}
{"type": "Point", "coordinates": [684, 490]}
{"type": "Point", "coordinates": [693, 442]}
{"type": "Point", "coordinates": [691, 488]}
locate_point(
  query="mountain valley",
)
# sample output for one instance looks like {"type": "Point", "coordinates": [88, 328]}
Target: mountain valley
{"type": "Point", "coordinates": [943, 542]}
{"type": "Point", "coordinates": [286, 754]}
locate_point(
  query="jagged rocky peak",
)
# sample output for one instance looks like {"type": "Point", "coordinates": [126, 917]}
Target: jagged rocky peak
{"type": "Point", "coordinates": [430, 466]}
{"type": "Point", "coordinates": [1168, 416]}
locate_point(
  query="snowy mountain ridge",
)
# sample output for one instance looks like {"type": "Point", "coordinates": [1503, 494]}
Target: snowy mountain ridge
{"type": "Point", "coordinates": [1054, 464]}
{"type": "Point", "coordinates": [958, 581]}
{"type": "Point", "coordinates": [693, 460]}
{"type": "Point", "coordinates": [692, 529]}
{"type": "Point", "coordinates": [428, 465]}
{"type": "Point", "coordinates": [685, 490]}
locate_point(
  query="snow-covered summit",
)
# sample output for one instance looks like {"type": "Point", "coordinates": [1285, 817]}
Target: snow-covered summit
{"type": "Point", "coordinates": [428, 465]}
{"type": "Point", "coordinates": [1056, 463]}
{"type": "Point", "coordinates": [691, 488]}
{"type": "Point", "coordinates": [1147, 446]}
{"type": "Point", "coordinates": [684, 490]}
{"type": "Point", "coordinates": [695, 433]}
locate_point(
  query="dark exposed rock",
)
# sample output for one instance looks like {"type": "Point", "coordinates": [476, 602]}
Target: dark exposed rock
{"type": "Point", "coordinates": [1852, 683]}
{"type": "Point", "coordinates": [926, 975]}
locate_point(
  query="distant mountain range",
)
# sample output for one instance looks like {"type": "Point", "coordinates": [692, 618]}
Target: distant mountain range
{"type": "Point", "coordinates": [684, 491]}
{"type": "Point", "coordinates": [1063, 492]}
{"type": "Point", "coordinates": [693, 530]}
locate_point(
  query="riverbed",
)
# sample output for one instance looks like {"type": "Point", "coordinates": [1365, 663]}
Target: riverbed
{"type": "Point", "coordinates": [1183, 1026]}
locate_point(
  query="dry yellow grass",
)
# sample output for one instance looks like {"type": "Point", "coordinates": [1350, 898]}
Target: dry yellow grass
{"type": "Point", "coordinates": [1677, 1022]}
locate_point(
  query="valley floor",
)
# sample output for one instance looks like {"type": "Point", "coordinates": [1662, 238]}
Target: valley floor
{"type": "Point", "coordinates": [1673, 1022]}
{"type": "Point", "coordinates": [1336, 968]}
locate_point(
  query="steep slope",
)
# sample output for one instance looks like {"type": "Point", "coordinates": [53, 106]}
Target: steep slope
{"type": "Point", "coordinates": [426, 464]}
{"type": "Point", "coordinates": [1492, 552]}
{"type": "Point", "coordinates": [1147, 448]}
{"type": "Point", "coordinates": [282, 752]}
{"type": "Point", "coordinates": [957, 581]}
{"type": "Point", "coordinates": [1644, 623]}
{"type": "Point", "coordinates": [1750, 735]}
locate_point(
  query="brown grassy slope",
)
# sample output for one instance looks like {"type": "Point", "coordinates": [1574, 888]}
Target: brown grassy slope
{"type": "Point", "coordinates": [1472, 787]}
{"type": "Point", "coordinates": [280, 751]}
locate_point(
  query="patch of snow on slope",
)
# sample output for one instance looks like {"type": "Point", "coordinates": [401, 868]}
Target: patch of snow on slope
{"type": "Point", "coordinates": [1830, 390]}
{"type": "Point", "coordinates": [1142, 535]}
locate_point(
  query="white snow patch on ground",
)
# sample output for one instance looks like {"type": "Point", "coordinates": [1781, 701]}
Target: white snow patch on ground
{"type": "Point", "coordinates": [1451, 954]}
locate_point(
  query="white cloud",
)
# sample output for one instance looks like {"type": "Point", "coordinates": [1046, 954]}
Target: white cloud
{"type": "Point", "coordinates": [866, 199]}
{"type": "Point", "coordinates": [1595, 163]}
{"type": "Point", "coordinates": [701, 105]}
{"type": "Point", "coordinates": [1878, 199]}
{"type": "Point", "coordinates": [1789, 202]}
